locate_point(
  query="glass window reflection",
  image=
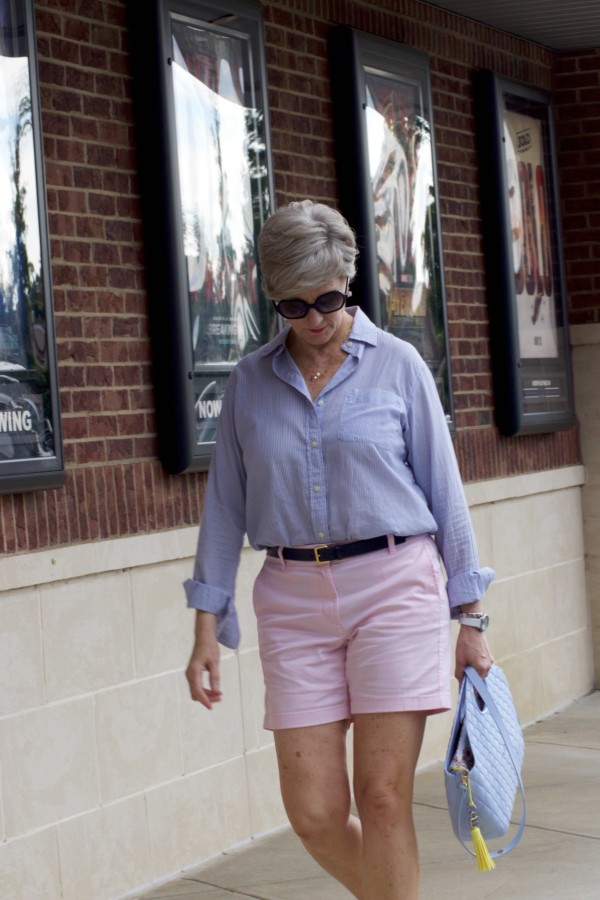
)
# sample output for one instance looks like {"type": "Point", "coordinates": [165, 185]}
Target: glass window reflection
{"type": "Point", "coordinates": [224, 190]}
{"type": "Point", "coordinates": [225, 199]}
{"type": "Point", "coordinates": [401, 170]}
{"type": "Point", "coordinates": [26, 391]}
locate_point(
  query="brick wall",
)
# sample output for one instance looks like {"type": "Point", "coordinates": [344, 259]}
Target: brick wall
{"type": "Point", "coordinates": [301, 127]}
{"type": "Point", "coordinates": [578, 135]}
{"type": "Point", "coordinates": [115, 486]}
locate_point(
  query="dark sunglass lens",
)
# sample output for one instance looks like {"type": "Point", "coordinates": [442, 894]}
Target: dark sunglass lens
{"type": "Point", "coordinates": [328, 303]}
{"type": "Point", "coordinates": [298, 309]}
{"type": "Point", "coordinates": [292, 309]}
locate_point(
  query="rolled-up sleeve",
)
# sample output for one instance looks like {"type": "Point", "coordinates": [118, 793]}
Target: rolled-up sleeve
{"type": "Point", "coordinates": [212, 586]}
{"type": "Point", "coordinates": [210, 599]}
{"type": "Point", "coordinates": [465, 587]}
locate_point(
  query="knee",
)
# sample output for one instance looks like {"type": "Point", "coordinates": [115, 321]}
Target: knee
{"type": "Point", "coordinates": [383, 803]}
{"type": "Point", "coordinates": [314, 823]}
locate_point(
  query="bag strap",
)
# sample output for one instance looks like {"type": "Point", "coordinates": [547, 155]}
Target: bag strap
{"type": "Point", "coordinates": [479, 684]}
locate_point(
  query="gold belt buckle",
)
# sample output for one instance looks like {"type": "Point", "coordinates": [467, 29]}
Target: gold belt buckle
{"type": "Point", "coordinates": [318, 559]}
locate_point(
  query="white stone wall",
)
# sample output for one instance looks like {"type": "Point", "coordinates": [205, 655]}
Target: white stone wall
{"type": "Point", "coordinates": [585, 340]}
{"type": "Point", "coordinates": [530, 530]}
{"type": "Point", "coordinates": [539, 602]}
{"type": "Point", "coordinates": [110, 777]}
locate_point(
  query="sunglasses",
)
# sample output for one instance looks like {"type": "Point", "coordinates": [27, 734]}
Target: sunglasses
{"type": "Point", "coordinates": [295, 308]}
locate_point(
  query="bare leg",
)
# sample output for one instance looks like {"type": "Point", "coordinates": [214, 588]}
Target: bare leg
{"type": "Point", "coordinates": [316, 795]}
{"type": "Point", "coordinates": [386, 750]}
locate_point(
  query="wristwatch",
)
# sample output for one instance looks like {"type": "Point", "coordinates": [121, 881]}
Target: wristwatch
{"type": "Point", "coordinates": [480, 621]}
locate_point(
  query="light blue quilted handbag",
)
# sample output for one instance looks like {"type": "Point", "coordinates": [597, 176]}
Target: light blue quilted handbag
{"type": "Point", "coordinates": [482, 770]}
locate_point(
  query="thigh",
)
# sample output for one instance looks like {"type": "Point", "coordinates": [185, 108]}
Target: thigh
{"type": "Point", "coordinates": [386, 752]}
{"type": "Point", "coordinates": [313, 772]}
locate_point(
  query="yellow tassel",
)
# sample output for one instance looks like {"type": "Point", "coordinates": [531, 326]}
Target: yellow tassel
{"type": "Point", "coordinates": [485, 863]}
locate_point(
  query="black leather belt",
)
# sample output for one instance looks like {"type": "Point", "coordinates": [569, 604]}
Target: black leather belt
{"type": "Point", "coordinates": [328, 552]}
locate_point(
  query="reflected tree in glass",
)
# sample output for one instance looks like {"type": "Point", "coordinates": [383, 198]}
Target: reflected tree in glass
{"type": "Point", "coordinates": [224, 191]}
{"type": "Point", "coordinates": [26, 430]}
{"type": "Point", "coordinates": [405, 215]}
{"type": "Point", "coordinates": [225, 199]}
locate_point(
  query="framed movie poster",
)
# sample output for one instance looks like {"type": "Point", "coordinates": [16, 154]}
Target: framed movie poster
{"type": "Point", "coordinates": [387, 175]}
{"type": "Point", "coordinates": [526, 291]}
{"type": "Point", "coordinates": [30, 439]}
{"type": "Point", "coordinates": [206, 184]}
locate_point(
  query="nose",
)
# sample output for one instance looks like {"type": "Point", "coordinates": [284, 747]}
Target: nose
{"type": "Point", "coordinates": [314, 317]}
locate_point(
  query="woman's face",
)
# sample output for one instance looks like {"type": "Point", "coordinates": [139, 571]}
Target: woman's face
{"type": "Point", "coordinates": [318, 329]}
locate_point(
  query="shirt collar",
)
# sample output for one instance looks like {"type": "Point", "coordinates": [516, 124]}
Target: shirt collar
{"type": "Point", "coordinates": [362, 330]}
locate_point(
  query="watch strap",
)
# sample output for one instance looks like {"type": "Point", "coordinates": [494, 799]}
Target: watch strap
{"type": "Point", "coordinates": [475, 620]}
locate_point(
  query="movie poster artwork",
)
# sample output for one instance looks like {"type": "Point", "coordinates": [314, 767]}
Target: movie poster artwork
{"type": "Point", "coordinates": [221, 154]}
{"type": "Point", "coordinates": [401, 171]}
{"type": "Point", "coordinates": [527, 179]}
{"type": "Point", "coordinates": [26, 431]}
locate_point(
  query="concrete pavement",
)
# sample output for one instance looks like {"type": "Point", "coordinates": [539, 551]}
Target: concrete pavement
{"type": "Point", "coordinates": [558, 857]}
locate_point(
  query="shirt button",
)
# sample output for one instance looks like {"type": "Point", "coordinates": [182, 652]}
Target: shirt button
{"type": "Point", "coordinates": [316, 488]}
{"type": "Point", "coordinates": [321, 534]}
{"type": "Point", "coordinates": [314, 444]}
{"type": "Point", "coordinates": [349, 343]}
{"type": "Point", "coordinates": [320, 402]}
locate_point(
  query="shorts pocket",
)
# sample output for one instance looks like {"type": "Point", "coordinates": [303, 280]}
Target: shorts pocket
{"type": "Point", "coordinates": [257, 588]}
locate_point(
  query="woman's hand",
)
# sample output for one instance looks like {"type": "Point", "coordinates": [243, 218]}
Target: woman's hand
{"type": "Point", "coordinates": [205, 658]}
{"type": "Point", "coordinates": [472, 650]}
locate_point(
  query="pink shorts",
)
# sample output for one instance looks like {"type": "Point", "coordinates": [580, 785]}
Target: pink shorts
{"type": "Point", "coordinates": [361, 635]}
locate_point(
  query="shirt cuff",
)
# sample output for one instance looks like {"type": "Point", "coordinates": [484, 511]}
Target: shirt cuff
{"type": "Point", "coordinates": [468, 587]}
{"type": "Point", "coordinates": [208, 598]}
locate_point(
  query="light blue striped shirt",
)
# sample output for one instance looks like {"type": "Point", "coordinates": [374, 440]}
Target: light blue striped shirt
{"type": "Point", "coordinates": [371, 455]}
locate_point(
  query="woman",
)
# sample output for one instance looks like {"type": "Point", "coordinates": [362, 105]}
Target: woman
{"type": "Point", "coordinates": [333, 455]}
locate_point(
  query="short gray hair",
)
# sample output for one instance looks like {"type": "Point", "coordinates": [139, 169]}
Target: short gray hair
{"type": "Point", "coordinates": [304, 245]}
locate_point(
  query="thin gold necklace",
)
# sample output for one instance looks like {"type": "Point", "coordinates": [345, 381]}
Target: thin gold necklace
{"type": "Point", "coordinates": [321, 372]}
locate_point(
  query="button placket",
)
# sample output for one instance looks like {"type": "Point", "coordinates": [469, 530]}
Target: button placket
{"type": "Point", "coordinates": [316, 471]}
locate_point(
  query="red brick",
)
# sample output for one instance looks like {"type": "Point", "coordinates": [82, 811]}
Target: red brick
{"type": "Point", "coordinates": [98, 260]}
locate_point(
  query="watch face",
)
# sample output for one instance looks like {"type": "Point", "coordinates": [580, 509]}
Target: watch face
{"type": "Point", "coordinates": [484, 622]}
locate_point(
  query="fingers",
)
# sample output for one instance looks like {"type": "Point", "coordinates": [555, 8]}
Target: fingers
{"type": "Point", "coordinates": [195, 674]}
{"type": "Point", "coordinates": [472, 650]}
{"type": "Point", "coordinates": [482, 666]}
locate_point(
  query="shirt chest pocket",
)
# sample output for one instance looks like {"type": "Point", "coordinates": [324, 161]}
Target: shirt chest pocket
{"type": "Point", "coordinates": [372, 416]}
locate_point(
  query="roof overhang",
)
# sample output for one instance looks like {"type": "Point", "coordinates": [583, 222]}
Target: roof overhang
{"type": "Point", "coordinates": [562, 25]}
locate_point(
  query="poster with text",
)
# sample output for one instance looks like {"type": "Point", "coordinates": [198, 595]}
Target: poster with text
{"type": "Point", "coordinates": [530, 233]}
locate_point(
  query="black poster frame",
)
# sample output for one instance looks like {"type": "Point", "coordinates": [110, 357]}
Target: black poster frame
{"type": "Point", "coordinates": [188, 389]}
{"type": "Point", "coordinates": [356, 57]}
{"type": "Point", "coordinates": [526, 290]}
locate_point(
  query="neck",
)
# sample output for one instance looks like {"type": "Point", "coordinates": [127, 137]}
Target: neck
{"type": "Point", "coordinates": [307, 354]}
{"type": "Point", "coordinates": [317, 364]}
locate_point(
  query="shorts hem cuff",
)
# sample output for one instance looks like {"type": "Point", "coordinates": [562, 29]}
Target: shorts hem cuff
{"type": "Point", "coordinates": [305, 719]}
{"type": "Point", "coordinates": [434, 704]}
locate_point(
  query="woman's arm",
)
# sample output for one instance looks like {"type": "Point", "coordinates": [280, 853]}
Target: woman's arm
{"type": "Point", "coordinates": [471, 645]}
{"type": "Point", "coordinates": [433, 461]}
{"type": "Point", "coordinates": [205, 659]}
{"type": "Point", "coordinates": [212, 586]}
{"type": "Point", "coordinates": [211, 589]}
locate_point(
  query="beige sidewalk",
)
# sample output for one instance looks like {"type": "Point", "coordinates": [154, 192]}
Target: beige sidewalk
{"type": "Point", "coordinates": [558, 857]}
